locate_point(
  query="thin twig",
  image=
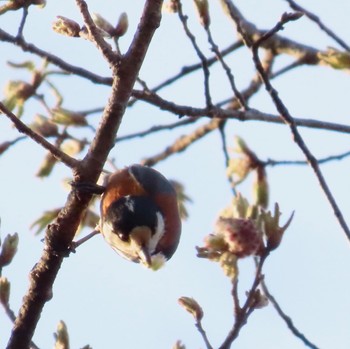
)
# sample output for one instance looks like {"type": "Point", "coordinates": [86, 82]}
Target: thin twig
{"type": "Point", "coordinates": [194, 67]}
{"type": "Point", "coordinates": [286, 318]}
{"type": "Point", "coordinates": [289, 120]}
{"type": "Point", "coordinates": [243, 313]}
{"type": "Point", "coordinates": [203, 334]}
{"type": "Point", "coordinates": [23, 22]}
{"type": "Point", "coordinates": [155, 129]}
{"type": "Point", "coordinates": [199, 53]}
{"type": "Point", "coordinates": [227, 69]}
{"type": "Point", "coordinates": [28, 47]}
{"type": "Point", "coordinates": [226, 155]}
{"type": "Point", "coordinates": [318, 21]}
{"type": "Point", "coordinates": [330, 158]}
{"type": "Point", "coordinates": [249, 115]}
{"type": "Point", "coordinates": [76, 244]}
{"type": "Point", "coordinates": [182, 143]}
{"type": "Point", "coordinates": [21, 127]}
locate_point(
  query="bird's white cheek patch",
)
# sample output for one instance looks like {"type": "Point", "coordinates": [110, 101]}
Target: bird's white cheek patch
{"type": "Point", "coordinates": [158, 234]}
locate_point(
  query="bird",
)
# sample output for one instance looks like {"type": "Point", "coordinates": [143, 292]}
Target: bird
{"type": "Point", "coordinates": [140, 217]}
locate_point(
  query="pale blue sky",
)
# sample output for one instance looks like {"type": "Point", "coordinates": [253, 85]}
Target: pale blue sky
{"type": "Point", "coordinates": [108, 302]}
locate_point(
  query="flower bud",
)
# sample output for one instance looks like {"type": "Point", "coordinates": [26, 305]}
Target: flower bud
{"type": "Point", "coordinates": [72, 147]}
{"type": "Point", "coordinates": [242, 236]}
{"type": "Point", "coordinates": [9, 249]}
{"type": "Point", "coordinates": [122, 25]}
{"type": "Point", "coordinates": [44, 126]}
{"type": "Point", "coordinates": [46, 166]}
{"type": "Point", "coordinates": [103, 24]}
{"type": "Point", "coordinates": [192, 307]}
{"type": "Point", "coordinates": [261, 188]}
{"type": "Point", "coordinates": [62, 337]}
{"type": "Point", "coordinates": [239, 168]}
{"type": "Point", "coordinates": [178, 345]}
{"type": "Point", "coordinates": [259, 300]}
{"type": "Point", "coordinates": [228, 263]}
{"type": "Point", "coordinates": [171, 6]}
{"type": "Point", "coordinates": [202, 7]}
{"type": "Point", "coordinates": [4, 291]}
{"type": "Point", "coordinates": [271, 228]}
{"type": "Point", "coordinates": [66, 26]}
{"type": "Point", "coordinates": [67, 117]}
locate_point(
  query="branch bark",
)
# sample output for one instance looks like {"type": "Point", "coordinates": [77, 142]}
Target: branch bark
{"type": "Point", "coordinates": [60, 234]}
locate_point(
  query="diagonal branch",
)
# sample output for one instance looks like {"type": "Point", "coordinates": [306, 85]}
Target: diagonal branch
{"type": "Point", "coordinates": [60, 234]}
{"type": "Point", "coordinates": [23, 128]}
{"type": "Point", "coordinates": [289, 120]}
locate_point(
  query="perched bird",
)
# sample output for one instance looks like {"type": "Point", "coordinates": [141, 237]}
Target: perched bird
{"type": "Point", "coordinates": [139, 214]}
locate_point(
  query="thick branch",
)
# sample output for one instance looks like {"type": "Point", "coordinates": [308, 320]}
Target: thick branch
{"type": "Point", "coordinates": [60, 234]}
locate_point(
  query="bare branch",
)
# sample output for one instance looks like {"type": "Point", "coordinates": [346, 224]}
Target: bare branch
{"type": "Point", "coordinates": [243, 313]}
{"type": "Point", "coordinates": [249, 115]}
{"type": "Point", "coordinates": [286, 318]}
{"type": "Point", "coordinates": [23, 128]}
{"type": "Point", "coordinates": [28, 47]}
{"type": "Point", "coordinates": [289, 120]}
{"type": "Point", "coordinates": [330, 158]}
{"type": "Point", "coordinates": [199, 53]}
{"type": "Point", "coordinates": [203, 334]}
{"type": "Point", "coordinates": [318, 21]}
{"type": "Point", "coordinates": [182, 143]}
{"type": "Point", "coordinates": [155, 129]}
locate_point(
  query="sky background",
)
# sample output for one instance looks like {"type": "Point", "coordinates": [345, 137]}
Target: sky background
{"type": "Point", "coordinates": [108, 302]}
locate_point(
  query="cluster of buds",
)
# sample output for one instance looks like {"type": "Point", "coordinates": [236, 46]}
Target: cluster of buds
{"type": "Point", "coordinates": [247, 162]}
{"type": "Point", "coordinates": [69, 27]}
{"type": "Point", "coordinates": [242, 230]}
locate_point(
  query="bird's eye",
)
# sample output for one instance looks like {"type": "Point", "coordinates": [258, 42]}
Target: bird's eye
{"type": "Point", "coordinates": [123, 237]}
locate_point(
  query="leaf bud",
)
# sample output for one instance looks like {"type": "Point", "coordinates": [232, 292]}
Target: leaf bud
{"type": "Point", "coordinates": [192, 307]}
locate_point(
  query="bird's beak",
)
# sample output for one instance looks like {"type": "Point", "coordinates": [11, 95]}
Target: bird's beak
{"type": "Point", "coordinates": [145, 257]}
{"type": "Point", "coordinates": [139, 238]}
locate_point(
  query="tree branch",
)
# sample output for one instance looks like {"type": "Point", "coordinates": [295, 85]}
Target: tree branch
{"type": "Point", "coordinates": [23, 128]}
{"type": "Point", "coordinates": [60, 234]}
{"type": "Point", "coordinates": [289, 120]}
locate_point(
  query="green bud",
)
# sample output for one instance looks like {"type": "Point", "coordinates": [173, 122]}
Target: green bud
{"type": "Point", "coordinates": [62, 337]}
{"type": "Point", "coordinates": [9, 249]}
{"type": "Point", "coordinates": [192, 307]}
{"type": "Point", "coordinates": [72, 147]}
{"type": "Point", "coordinates": [66, 26]}
{"type": "Point", "coordinates": [46, 166]}
{"type": "Point", "coordinates": [179, 345]}
{"type": "Point", "coordinates": [240, 206]}
{"type": "Point", "coordinates": [42, 222]}
{"type": "Point", "coordinates": [270, 225]}
{"type": "Point", "coordinates": [4, 291]}
{"type": "Point", "coordinates": [228, 263]}
{"type": "Point", "coordinates": [122, 25]}
{"type": "Point", "coordinates": [44, 126]}
{"type": "Point", "coordinates": [261, 188]}
{"type": "Point", "coordinates": [67, 117]}
{"type": "Point", "coordinates": [103, 24]}
{"type": "Point", "coordinates": [335, 58]}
